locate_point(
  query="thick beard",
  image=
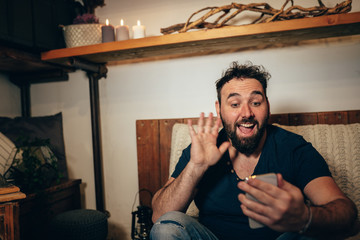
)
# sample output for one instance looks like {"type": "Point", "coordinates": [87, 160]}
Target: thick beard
{"type": "Point", "coordinates": [247, 145]}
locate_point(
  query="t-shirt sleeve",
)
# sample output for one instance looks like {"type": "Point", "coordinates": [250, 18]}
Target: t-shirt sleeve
{"type": "Point", "coordinates": [310, 164]}
{"type": "Point", "coordinates": [292, 156]}
{"type": "Point", "coordinates": [183, 161]}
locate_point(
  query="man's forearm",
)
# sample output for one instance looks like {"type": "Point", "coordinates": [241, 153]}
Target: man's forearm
{"type": "Point", "coordinates": [177, 195]}
{"type": "Point", "coordinates": [333, 220]}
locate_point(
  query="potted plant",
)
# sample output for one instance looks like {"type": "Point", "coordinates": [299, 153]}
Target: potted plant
{"type": "Point", "coordinates": [86, 29]}
{"type": "Point", "coordinates": [34, 167]}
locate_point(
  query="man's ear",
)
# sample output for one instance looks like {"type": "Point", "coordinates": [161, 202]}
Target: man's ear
{"type": "Point", "coordinates": [267, 100]}
{"type": "Point", "coordinates": [217, 106]}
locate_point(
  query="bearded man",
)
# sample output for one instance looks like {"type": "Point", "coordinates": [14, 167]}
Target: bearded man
{"type": "Point", "coordinates": [305, 203]}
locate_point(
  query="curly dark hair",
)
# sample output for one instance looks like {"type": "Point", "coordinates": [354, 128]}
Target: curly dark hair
{"type": "Point", "coordinates": [247, 70]}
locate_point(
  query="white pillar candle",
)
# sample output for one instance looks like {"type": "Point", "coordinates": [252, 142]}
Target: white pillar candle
{"type": "Point", "coordinates": [122, 31]}
{"type": "Point", "coordinates": [138, 30]}
{"type": "Point", "coordinates": [107, 32]}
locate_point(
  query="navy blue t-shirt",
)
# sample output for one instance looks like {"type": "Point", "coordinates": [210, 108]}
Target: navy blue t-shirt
{"type": "Point", "coordinates": [217, 197]}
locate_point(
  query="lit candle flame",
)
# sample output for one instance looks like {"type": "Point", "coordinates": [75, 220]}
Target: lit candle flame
{"type": "Point", "coordinates": [121, 22]}
{"type": "Point", "coordinates": [107, 22]}
{"type": "Point", "coordinates": [138, 22]}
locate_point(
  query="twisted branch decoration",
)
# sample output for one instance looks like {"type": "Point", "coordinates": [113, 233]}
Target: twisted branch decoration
{"type": "Point", "coordinates": [268, 14]}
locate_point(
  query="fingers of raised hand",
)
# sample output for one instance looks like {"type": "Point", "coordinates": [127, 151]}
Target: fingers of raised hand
{"type": "Point", "coordinates": [209, 123]}
{"type": "Point", "coordinates": [201, 123]}
{"type": "Point", "coordinates": [191, 128]}
{"type": "Point", "coordinates": [207, 126]}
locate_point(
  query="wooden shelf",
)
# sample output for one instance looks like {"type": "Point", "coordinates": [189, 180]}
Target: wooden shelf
{"type": "Point", "coordinates": [201, 42]}
{"type": "Point", "coordinates": [24, 67]}
{"type": "Point", "coordinates": [14, 61]}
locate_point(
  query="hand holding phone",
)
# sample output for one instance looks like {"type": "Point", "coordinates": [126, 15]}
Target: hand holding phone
{"type": "Point", "coordinates": [269, 178]}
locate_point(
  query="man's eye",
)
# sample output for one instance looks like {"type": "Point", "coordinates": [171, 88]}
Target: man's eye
{"type": "Point", "coordinates": [234, 105]}
{"type": "Point", "coordinates": [255, 104]}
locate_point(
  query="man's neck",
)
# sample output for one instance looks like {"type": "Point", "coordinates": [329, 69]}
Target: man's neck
{"type": "Point", "coordinates": [243, 164]}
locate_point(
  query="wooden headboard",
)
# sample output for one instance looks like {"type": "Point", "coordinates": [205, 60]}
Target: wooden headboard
{"type": "Point", "coordinates": [154, 141]}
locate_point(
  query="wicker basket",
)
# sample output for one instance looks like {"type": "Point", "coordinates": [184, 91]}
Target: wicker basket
{"type": "Point", "coordinates": [82, 34]}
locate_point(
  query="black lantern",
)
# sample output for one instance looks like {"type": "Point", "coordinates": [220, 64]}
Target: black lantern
{"type": "Point", "coordinates": [141, 223]}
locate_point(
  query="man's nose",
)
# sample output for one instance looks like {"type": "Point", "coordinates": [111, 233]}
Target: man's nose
{"type": "Point", "coordinates": [246, 111]}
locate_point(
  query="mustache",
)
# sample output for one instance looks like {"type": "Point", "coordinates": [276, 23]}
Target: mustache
{"type": "Point", "coordinates": [246, 120]}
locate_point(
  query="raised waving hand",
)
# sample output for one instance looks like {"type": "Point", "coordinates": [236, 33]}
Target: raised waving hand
{"type": "Point", "coordinates": [204, 151]}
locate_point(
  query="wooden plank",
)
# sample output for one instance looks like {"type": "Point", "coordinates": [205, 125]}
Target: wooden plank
{"type": "Point", "coordinates": [10, 220]}
{"type": "Point", "coordinates": [333, 117]}
{"type": "Point", "coordinates": [297, 119]}
{"type": "Point", "coordinates": [282, 119]}
{"type": "Point", "coordinates": [225, 39]}
{"type": "Point", "coordinates": [3, 219]}
{"type": "Point", "coordinates": [148, 147]}
{"type": "Point", "coordinates": [354, 116]}
{"type": "Point", "coordinates": [65, 184]}
{"type": "Point", "coordinates": [12, 197]}
{"type": "Point", "coordinates": [14, 61]}
{"type": "Point", "coordinates": [16, 214]}
{"type": "Point", "coordinates": [9, 189]}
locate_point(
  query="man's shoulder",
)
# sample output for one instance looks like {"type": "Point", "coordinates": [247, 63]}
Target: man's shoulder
{"type": "Point", "coordinates": [279, 131]}
{"type": "Point", "coordinates": [281, 135]}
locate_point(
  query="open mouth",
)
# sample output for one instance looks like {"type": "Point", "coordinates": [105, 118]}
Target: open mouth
{"type": "Point", "coordinates": [246, 128]}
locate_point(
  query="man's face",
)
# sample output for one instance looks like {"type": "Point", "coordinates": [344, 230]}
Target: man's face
{"type": "Point", "coordinates": [244, 111]}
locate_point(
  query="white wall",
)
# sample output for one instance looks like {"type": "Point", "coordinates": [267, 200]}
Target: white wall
{"type": "Point", "coordinates": [320, 77]}
{"type": "Point", "coordinates": [10, 102]}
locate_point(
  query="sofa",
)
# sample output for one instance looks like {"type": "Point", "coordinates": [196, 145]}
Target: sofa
{"type": "Point", "coordinates": [335, 134]}
{"type": "Point", "coordinates": [339, 144]}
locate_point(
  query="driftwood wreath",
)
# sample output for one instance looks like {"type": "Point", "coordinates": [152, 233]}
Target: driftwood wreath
{"type": "Point", "coordinates": [268, 14]}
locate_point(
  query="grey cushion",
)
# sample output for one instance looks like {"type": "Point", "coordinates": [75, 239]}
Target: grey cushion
{"type": "Point", "coordinates": [45, 127]}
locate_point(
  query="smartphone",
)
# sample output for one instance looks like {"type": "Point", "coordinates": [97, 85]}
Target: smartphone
{"type": "Point", "coordinates": [269, 178]}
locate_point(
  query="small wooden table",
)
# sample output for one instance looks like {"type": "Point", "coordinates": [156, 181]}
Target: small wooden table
{"type": "Point", "coordinates": [37, 210]}
{"type": "Point", "coordinates": [24, 217]}
{"type": "Point", "coordinates": [9, 212]}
